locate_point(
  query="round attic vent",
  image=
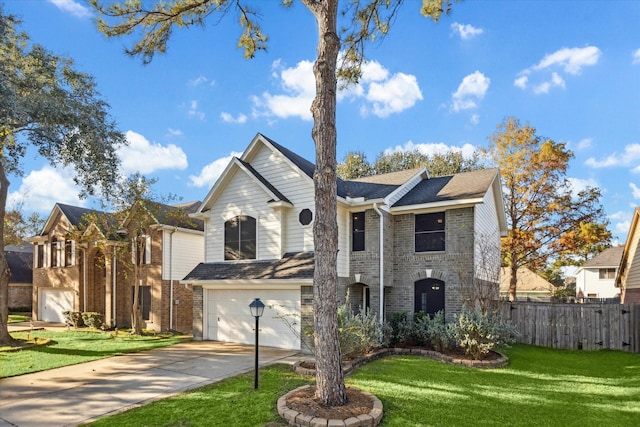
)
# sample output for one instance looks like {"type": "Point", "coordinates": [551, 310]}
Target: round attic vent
{"type": "Point", "coordinates": [305, 216]}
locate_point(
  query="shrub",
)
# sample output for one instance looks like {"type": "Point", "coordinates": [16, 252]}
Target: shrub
{"type": "Point", "coordinates": [401, 329]}
{"type": "Point", "coordinates": [478, 333]}
{"type": "Point", "coordinates": [359, 333]}
{"type": "Point", "coordinates": [432, 331]}
{"type": "Point", "coordinates": [73, 318]}
{"type": "Point", "coordinates": [92, 319]}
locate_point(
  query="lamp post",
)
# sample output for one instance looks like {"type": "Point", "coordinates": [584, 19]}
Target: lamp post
{"type": "Point", "coordinates": [257, 308]}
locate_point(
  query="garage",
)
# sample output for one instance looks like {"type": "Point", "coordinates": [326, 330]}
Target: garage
{"type": "Point", "coordinates": [53, 302]}
{"type": "Point", "coordinates": [228, 317]}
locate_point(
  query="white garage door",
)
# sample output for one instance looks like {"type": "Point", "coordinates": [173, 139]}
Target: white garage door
{"type": "Point", "coordinates": [53, 302]}
{"type": "Point", "coordinates": [229, 318]}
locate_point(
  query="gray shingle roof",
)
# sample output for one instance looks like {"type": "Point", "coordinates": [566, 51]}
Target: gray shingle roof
{"type": "Point", "coordinates": [298, 265]}
{"type": "Point", "coordinates": [608, 258]}
{"type": "Point", "coordinates": [465, 185]}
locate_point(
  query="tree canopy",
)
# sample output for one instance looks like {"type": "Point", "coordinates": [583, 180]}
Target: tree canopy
{"type": "Point", "coordinates": [360, 21]}
{"type": "Point", "coordinates": [545, 216]}
{"type": "Point", "coordinates": [49, 105]}
{"type": "Point", "coordinates": [355, 164]}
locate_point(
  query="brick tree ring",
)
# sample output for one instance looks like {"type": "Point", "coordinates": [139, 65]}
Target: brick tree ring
{"type": "Point", "coordinates": [299, 408]}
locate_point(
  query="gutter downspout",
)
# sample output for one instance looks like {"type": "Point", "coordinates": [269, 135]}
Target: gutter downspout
{"type": "Point", "coordinates": [381, 267]}
{"type": "Point", "coordinates": [115, 287]}
{"type": "Point", "coordinates": [171, 277]}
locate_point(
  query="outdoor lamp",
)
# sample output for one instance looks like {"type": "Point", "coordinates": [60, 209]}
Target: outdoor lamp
{"type": "Point", "coordinates": [257, 308]}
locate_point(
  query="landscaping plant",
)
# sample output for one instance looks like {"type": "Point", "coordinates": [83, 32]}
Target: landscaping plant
{"type": "Point", "coordinates": [359, 333]}
{"type": "Point", "coordinates": [477, 333]}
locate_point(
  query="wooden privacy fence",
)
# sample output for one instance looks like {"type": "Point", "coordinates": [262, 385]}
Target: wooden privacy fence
{"type": "Point", "coordinates": [575, 326]}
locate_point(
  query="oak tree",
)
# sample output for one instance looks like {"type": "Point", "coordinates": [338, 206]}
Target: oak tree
{"type": "Point", "coordinates": [364, 20]}
{"type": "Point", "coordinates": [47, 104]}
{"type": "Point", "coordinates": [543, 211]}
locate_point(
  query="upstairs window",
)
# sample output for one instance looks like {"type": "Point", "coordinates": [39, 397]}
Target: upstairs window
{"type": "Point", "coordinates": [69, 253]}
{"type": "Point", "coordinates": [240, 238]}
{"type": "Point", "coordinates": [55, 253]}
{"type": "Point", "coordinates": [607, 273]}
{"type": "Point", "coordinates": [39, 258]}
{"type": "Point", "coordinates": [357, 231]}
{"type": "Point", "coordinates": [430, 235]}
{"type": "Point", "coordinates": [141, 250]}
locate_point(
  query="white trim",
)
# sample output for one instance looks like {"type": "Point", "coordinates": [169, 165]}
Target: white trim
{"type": "Point", "coordinates": [422, 208]}
{"type": "Point", "coordinates": [251, 284]}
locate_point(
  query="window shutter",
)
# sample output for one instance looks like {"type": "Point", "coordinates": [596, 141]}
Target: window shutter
{"type": "Point", "coordinates": [147, 249]}
{"type": "Point", "coordinates": [73, 253]}
{"type": "Point", "coordinates": [46, 260]}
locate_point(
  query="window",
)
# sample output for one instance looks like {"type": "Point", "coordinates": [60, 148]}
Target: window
{"type": "Point", "coordinates": [69, 253]}
{"type": "Point", "coordinates": [144, 300]}
{"type": "Point", "coordinates": [357, 231]}
{"type": "Point", "coordinates": [430, 232]}
{"type": "Point", "coordinates": [607, 273]}
{"type": "Point", "coordinates": [39, 256]}
{"type": "Point", "coordinates": [54, 252]}
{"type": "Point", "coordinates": [141, 250]}
{"type": "Point", "coordinates": [240, 238]}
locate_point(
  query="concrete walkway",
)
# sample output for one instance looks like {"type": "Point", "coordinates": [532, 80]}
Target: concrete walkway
{"type": "Point", "coordinates": [77, 394]}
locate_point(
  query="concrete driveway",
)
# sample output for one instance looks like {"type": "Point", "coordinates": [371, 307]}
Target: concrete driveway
{"type": "Point", "coordinates": [80, 393]}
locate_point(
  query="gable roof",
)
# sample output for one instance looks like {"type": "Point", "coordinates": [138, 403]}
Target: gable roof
{"type": "Point", "coordinates": [527, 281]}
{"type": "Point", "coordinates": [76, 216]}
{"type": "Point", "coordinates": [610, 258]}
{"type": "Point", "coordinates": [294, 265]}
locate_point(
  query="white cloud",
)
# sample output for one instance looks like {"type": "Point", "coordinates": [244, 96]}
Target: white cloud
{"type": "Point", "coordinates": [175, 132]}
{"type": "Point", "coordinates": [475, 119]}
{"type": "Point", "coordinates": [194, 112]}
{"type": "Point", "coordinates": [636, 56]}
{"type": "Point", "coordinates": [198, 81]}
{"type": "Point", "coordinates": [567, 60]}
{"type": "Point", "coordinates": [383, 93]}
{"type": "Point", "coordinates": [521, 82]}
{"type": "Point", "coordinates": [571, 60]}
{"type": "Point", "coordinates": [635, 191]}
{"type": "Point", "coordinates": [211, 172]}
{"type": "Point", "coordinates": [577, 184]}
{"type": "Point", "coordinates": [629, 157]}
{"type": "Point", "coordinates": [472, 89]}
{"type": "Point", "coordinates": [466, 31]}
{"type": "Point", "coordinates": [41, 189]}
{"type": "Point", "coordinates": [72, 7]}
{"type": "Point", "coordinates": [228, 118]}
{"type": "Point", "coordinates": [146, 157]}
{"type": "Point", "coordinates": [584, 144]}
{"type": "Point", "coordinates": [431, 148]}
{"type": "Point", "coordinates": [394, 95]}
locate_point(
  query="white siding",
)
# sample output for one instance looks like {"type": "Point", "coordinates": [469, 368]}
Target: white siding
{"type": "Point", "coordinates": [181, 253]}
{"type": "Point", "coordinates": [486, 232]}
{"type": "Point", "coordinates": [344, 230]}
{"type": "Point", "coordinates": [297, 188]}
{"type": "Point", "coordinates": [589, 283]}
{"type": "Point", "coordinates": [243, 196]}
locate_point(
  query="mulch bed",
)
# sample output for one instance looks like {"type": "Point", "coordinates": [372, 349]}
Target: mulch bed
{"type": "Point", "coordinates": [304, 401]}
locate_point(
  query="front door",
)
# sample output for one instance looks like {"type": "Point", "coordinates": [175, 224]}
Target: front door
{"type": "Point", "coordinates": [429, 296]}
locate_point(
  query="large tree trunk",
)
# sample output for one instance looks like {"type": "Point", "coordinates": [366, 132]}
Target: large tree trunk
{"type": "Point", "coordinates": [5, 338]}
{"type": "Point", "coordinates": [330, 387]}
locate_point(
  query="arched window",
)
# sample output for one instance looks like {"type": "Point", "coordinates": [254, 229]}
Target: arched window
{"type": "Point", "coordinates": [240, 238]}
{"type": "Point", "coordinates": [428, 296]}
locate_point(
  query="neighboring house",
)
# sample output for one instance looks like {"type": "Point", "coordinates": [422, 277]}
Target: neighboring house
{"type": "Point", "coordinates": [628, 276]}
{"type": "Point", "coordinates": [406, 242]}
{"type": "Point", "coordinates": [529, 286]}
{"type": "Point", "coordinates": [596, 278]}
{"type": "Point", "coordinates": [20, 260]}
{"type": "Point", "coordinates": [79, 265]}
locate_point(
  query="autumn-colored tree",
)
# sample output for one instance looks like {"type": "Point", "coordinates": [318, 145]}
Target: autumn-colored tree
{"type": "Point", "coordinates": [363, 20]}
{"type": "Point", "coordinates": [46, 104]}
{"type": "Point", "coordinates": [543, 212]}
{"type": "Point", "coordinates": [354, 165]}
{"type": "Point", "coordinates": [17, 227]}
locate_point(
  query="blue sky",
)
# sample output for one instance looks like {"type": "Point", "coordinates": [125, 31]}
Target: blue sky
{"type": "Point", "coordinates": [571, 69]}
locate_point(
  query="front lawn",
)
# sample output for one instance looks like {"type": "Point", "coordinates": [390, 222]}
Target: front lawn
{"type": "Point", "coordinates": [541, 387]}
{"type": "Point", "coordinates": [71, 347]}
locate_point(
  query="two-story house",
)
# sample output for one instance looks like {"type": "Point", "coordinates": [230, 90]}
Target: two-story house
{"type": "Point", "coordinates": [596, 278]}
{"type": "Point", "coordinates": [83, 262]}
{"type": "Point", "coordinates": [407, 242]}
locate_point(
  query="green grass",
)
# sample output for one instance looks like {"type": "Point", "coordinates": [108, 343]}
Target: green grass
{"type": "Point", "coordinates": [232, 402]}
{"type": "Point", "coordinates": [541, 387]}
{"type": "Point", "coordinates": [72, 347]}
{"type": "Point", "coordinates": [19, 317]}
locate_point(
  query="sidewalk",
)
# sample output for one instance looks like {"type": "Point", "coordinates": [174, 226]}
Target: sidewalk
{"type": "Point", "coordinates": [76, 394]}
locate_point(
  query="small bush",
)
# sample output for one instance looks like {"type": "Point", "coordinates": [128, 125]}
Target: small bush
{"type": "Point", "coordinates": [92, 319]}
{"type": "Point", "coordinates": [433, 332]}
{"type": "Point", "coordinates": [73, 318]}
{"type": "Point", "coordinates": [359, 333]}
{"type": "Point", "coordinates": [478, 333]}
{"type": "Point", "coordinates": [401, 329]}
